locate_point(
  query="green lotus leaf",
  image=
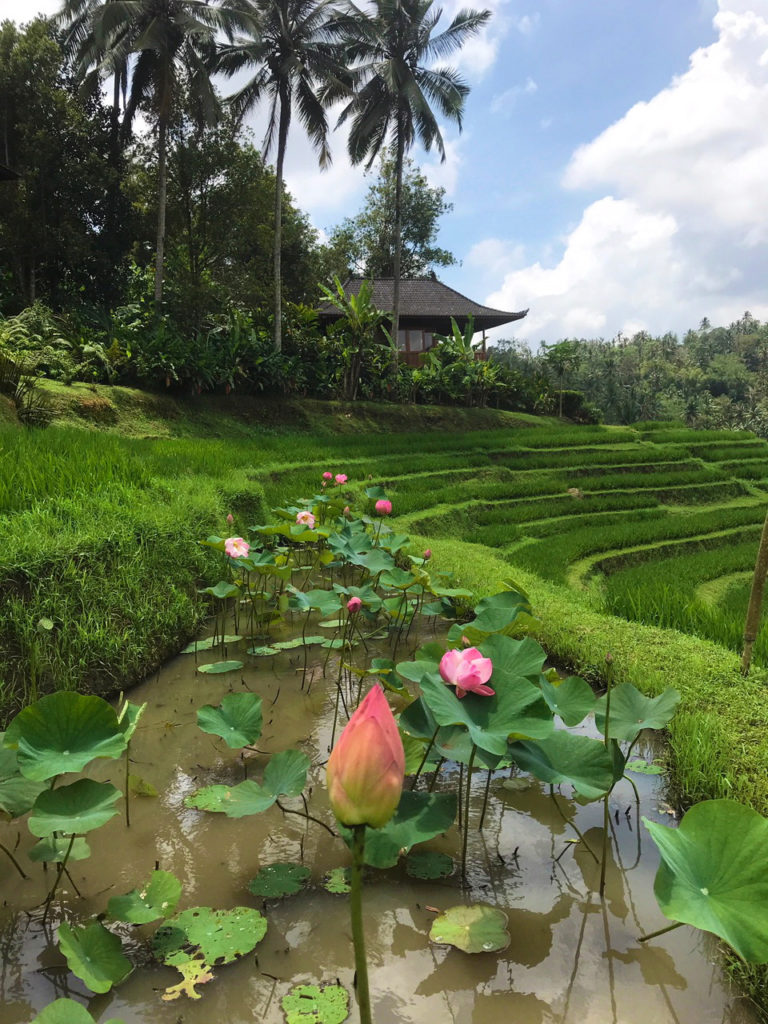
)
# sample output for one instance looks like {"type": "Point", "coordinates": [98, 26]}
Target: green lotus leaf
{"type": "Point", "coordinates": [572, 700]}
{"type": "Point", "coordinates": [337, 881]}
{"type": "Point", "coordinates": [128, 717]}
{"type": "Point", "coordinates": [414, 755]}
{"type": "Point", "coordinates": [281, 879]}
{"type": "Point", "coordinates": [222, 590]}
{"type": "Point", "coordinates": [262, 652]}
{"type": "Point", "coordinates": [316, 1004]}
{"type": "Point", "coordinates": [299, 641]}
{"type": "Point", "coordinates": [335, 644]}
{"type": "Point", "coordinates": [53, 850]}
{"type": "Point", "coordinates": [235, 801]}
{"type": "Point", "coordinates": [156, 899]}
{"type": "Point", "coordinates": [286, 773]}
{"type": "Point", "coordinates": [514, 658]}
{"type": "Point", "coordinates": [375, 561]}
{"type": "Point", "coordinates": [94, 955]}
{"type": "Point", "coordinates": [324, 601]}
{"type": "Point", "coordinates": [140, 787]}
{"type": "Point", "coordinates": [397, 578]}
{"type": "Point", "coordinates": [209, 643]}
{"type": "Point", "coordinates": [563, 757]}
{"type": "Point", "coordinates": [712, 874]}
{"type": "Point", "coordinates": [419, 817]}
{"type": "Point", "coordinates": [632, 711]}
{"type": "Point", "coordinates": [80, 807]}
{"type": "Point", "coordinates": [428, 864]}
{"type": "Point", "coordinates": [63, 732]}
{"type": "Point", "coordinates": [454, 743]}
{"type": "Point", "coordinates": [67, 1011]}
{"type": "Point", "coordinates": [473, 929]}
{"type": "Point", "coordinates": [237, 720]}
{"type": "Point", "coordinates": [497, 613]}
{"type": "Point", "coordinates": [213, 936]}
{"type": "Point", "coordinates": [216, 667]}
{"type": "Point", "coordinates": [414, 671]}
{"type": "Point", "coordinates": [17, 794]}
{"type": "Point", "coordinates": [644, 767]}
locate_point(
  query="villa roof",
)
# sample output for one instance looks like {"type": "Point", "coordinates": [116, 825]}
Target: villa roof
{"type": "Point", "coordinates": [428, 300]}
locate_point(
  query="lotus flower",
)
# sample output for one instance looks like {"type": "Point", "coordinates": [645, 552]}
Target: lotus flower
{"type": "Point", "coordinates": [236, 547]}
{"type": "Point", "coordinates": [468, 671]}
{"type": "Point", "coordinates": [340, 478]}
{"type": "Point", "coordinates": [366, 768]}
{"type": "Point", "coordinates": [230, 519]}
{"type": "Point", "coordinates": [327, 476]}
{"type": "Point", "coordinates": [353, 605]}
{"type": "Point", "coordinates": [306, 519]}
{"type": "Point", "coordinates": [427, 554]}
{"type": "Point", "coordinates": [346, 510]}
{"type": "Point", "coordinates": [384, 507]}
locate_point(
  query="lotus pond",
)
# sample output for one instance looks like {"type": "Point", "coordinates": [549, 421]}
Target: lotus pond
{"type": "Point", "coordinates": [174, 857]}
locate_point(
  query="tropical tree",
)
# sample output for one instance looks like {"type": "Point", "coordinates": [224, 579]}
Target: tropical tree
{"type": "Point", "coordinates": [394, 87]}
{"type": "Point", "coordinates": [161, 50]}
{"type": "Point", "coordinates": [292, 48]}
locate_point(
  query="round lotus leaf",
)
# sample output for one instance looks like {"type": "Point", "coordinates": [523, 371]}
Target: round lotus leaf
{"type": "Point", "coordinates": [474, 929]}
{"type": "Point", "coordinates": [235, 801]}
{"type": "Point", "coordinates": [712, 874]}
{"type": "Point", "coordinates": [209, 643]}
{"type": "Point", "coordinates": [337, 881]}
{"type": "Point", "coordinates": [281, 879]}
{"type": "Point", "coordinates": [80, 807]}
{"type": "Point", "coordinates": [572, 699]}
{"type": "Point", "coordinates": [158, 898]}
{"type": "Point", "coordinates": [644, 767]}
{"type": "Point", "coordinates": [63, 732]}
{"type": "Point", "coordinates": [316, 1004]}
{"type": "Point", "coordinates": [632, 711]}
{"type": "Point", "coordinates": [94, 955]}
{"type": "Point", "coordinates": [67, 1011]}
{"type": "Point", "coordinates": [237, 720]}
{"type": "Point", "coordinates": [428, 864]}
{"type": "Point", "coordinates": [54, 849]}
{"type": "Point", "coordinates": [286, 773]}
{"type": "Point", "coordinates": [215, 936]}
{"type": "Point", "coordinates": [582, 761]}
{"type": "Point", "coordinates": [17, 794]}
{"type": "Point", "coordinates": [217, 667]}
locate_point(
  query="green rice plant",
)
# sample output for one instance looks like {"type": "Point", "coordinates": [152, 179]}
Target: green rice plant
{"type": "Point", "coordinates": [726, 450]}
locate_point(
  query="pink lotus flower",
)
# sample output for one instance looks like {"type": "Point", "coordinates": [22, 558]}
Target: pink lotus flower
{"type": "Point", "coordinates": [230, 519]}
{"type": "Point", "coordinates": [327, 476]}
{"type": "Point", "coordinates": [306, 519]}
{"type": "Point", "coordinates": [468, 671]}
{"type": "Point", "coordinates": [384, 507]}
{"type": "Point", "coordinates": [366, 768]}
{"type": "Point", "coordinates": [353, 605]}
{"type": "Point", "coordinates": [346, 510]}
{"type": "Point", "coordinates": [340, 478]}
{"type": "Point", "coordinates": [427, 554]}
{"type": "Point", "coordinates": [236, 547]}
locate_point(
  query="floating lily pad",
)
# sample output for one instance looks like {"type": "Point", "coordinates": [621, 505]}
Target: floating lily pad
{"type": "Point", "coordinates": [209, 643]}
{"type": "Point", "coordinates": [63, 732]}
{"type": "Point", "coordinates": [156, 899]}
{"type": "Point", "coordinates": [67, 1011]}
{"type": "Point", "coordinates": [474, 929]}
{"type": "Point", "coordinates": [94, 955]}
{"type": "Point", "coordinates": [80, 807]}
{"type": "Point", "coordinates": [282, 879]}
{"type": "Point", "coordinates": [712, 874]}
{"type": "Point", "coordinates": [565, 757]}
{"type": "Point", "coordinates": [337, 881]}
{"type": "Point", "coordinates": [644, 767]}
{"type": "Point", "coordinates": [237, 720]}
{"type": "Point", "coordinates": [214, 668]}
{"type": "Point", "coordinates": [262, 652]}
{"type": "Point", "coordinates": [428, 864]}
{"type": "Point", "coordinates": [53, 850]}
{"type": "Point", "coordinates": [572, 699]}
{"type": "Point", "coordinates": [17, 794]}
{"type": "Point", "coordinates": [316, 1004]}
{"type": "Point", "coordinates": [632, 711]}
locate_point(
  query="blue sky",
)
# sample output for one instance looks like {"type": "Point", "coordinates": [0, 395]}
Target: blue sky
{"type": "Point", "coordinates": [611, 172]}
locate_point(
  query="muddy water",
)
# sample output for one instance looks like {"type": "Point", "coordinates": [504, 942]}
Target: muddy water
{"type": "Point", "coordinates": [573, 959]}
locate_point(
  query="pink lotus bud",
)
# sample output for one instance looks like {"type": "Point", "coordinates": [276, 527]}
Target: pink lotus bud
{"type": "Point", "coordinates": [236, 547]}
{"type": "Point", "coordinates": [324, 483]}
{"type": "Point", "coordinates": [468, 671]}
{"type": "Point", "coordinates": [230, 519]}
{"type": "Point", "coordinates": [306, 519]}
{"type": "Point", "coordinates": [340, 478]}
{"type": "Point", "coordinates": [327, 476]}
{"type": "Point", "coordinates": [346, 510]}
{"type": "Point", "coordinates": [427, 554]}
{"type": "Point", "coordinates": [366, 768]}
{"type": "Point", "coordinates": [384, 507]}
{"type": "Point", "coordinates": [353, 605]}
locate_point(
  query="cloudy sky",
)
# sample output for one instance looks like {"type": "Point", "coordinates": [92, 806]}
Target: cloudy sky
{"type": "Point", "coordinates": [611, 175]}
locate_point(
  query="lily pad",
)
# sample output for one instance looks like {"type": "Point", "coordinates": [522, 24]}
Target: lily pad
{"type": "Point", "coordinates": [237, 720]}
{"type": "Point", "coordinates": [94, 955]}
{"type": "Point", "coordinates": [564, 757]}
{"type": "Point", "coordinates": [63, 732]}
{"type": "Point", "coordinates": [262, 652]}
{"type": "Point", "coordinates": [281, 879]}
{"type": "Point", "coordinates": [80, 807]}
{"type": "Point", "coordinates": [209, 643]}
{"type": "Point", "coordinates": [712, 874]}
{"type": "Point", "coordinates": [53, 850]}
{"type": "Point", "coordinates": [572, 700]}
{"type": "Point", "coordinates": [67, 1011]}
{"type": "Point", "coordinates": [316, 1004]}
{"type": "Point", "coordinates": [632, 711]}
{"type": "Point", "coordinates": [214, 668]}
{"type": "Point", "coordinates": [473, 929]}
{"type": "Point", "coordinates": [337, 881]}
{"type": "Point", "coordinates": [644, 767]}
{"type": "Point", "coordinates": [156, 899]}
{"type": "Point", "coordinates": [428, 864]}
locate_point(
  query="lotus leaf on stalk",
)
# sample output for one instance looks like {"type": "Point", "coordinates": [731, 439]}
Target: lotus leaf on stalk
{"type": "Point", "coordinates": [17, 794]}
{"type": "Point", "coordinates": [57, 849]}
{"type": "Point", "coordinates": [285, 775]}
{"type": "Point", "coordinates": [79, 807]}
{"type": "Point", "coordinates": [583, 762]}
{"type": "Point", "coordinates": [94, 955]}
{"type": "Point", "coordinates": [418, 818]}
{"type": "Point", "coordinates": [632, 711]}
{"type": "Point", "coordinates": [498, 613]}
{"type": "Point", "coordinates": [237, 720]}
{"type": "Point", "coordinates": [572, 699]}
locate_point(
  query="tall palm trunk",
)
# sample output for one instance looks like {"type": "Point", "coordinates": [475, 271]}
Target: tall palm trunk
{"type": "Point", "coordinates": [162, 174]}
{"type": "Point", "coordinates": [399, 157]}
{"type": "Point", "coordinates": [752, 624]}
{"type": "Point", "coordinates": [282, 139]}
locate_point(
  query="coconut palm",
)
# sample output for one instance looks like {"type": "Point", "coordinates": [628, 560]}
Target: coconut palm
{"type": "Point", "coordinates": [391, 47]}
{"type": "Point", "coordinates": [292, 48]}
{"type": "Point", "coordinates": [155, 49]}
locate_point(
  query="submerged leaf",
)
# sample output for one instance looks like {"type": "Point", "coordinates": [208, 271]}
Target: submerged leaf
{"type": "Point", "coordinates": [281, 879]}
{"type": "Point", "coordinates": [428, 864]}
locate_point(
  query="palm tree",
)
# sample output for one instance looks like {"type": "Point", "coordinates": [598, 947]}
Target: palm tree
{"type": "Point", "coordinates": [155, 49]}
{"type": "Point", "coordinates": [394, 88]}
{"type": "Point", "coordinates": [292, 47]}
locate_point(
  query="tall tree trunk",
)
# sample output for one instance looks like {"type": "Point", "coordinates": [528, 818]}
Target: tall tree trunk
{"type": "Point", "coordinates": [399, 155]}
{"type": "Point", "coordinates": [282, 140]}
{"type": "Point", "coordinates": [161, 196]}
{"type": "Point", "coordinates": [752, 624]}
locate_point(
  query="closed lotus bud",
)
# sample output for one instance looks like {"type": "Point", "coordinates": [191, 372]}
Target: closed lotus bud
{"type": "Point", "coordinates": [367, 766]}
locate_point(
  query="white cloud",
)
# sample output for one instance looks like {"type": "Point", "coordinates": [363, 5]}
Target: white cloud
{"type": "Point", "coordinates": [479, 53]}
{"type": "Point", "coordinates": [445, 174]}
{"type": "Point", "coordinates": [527, 24]}
{"type": "Point", "coordinates": [503, 102]}
{"type": "Point", "coordinates": [682, 231]}
{"type": "Point", "coordinates": [495, 255]}
{"type": "Point", "coordinates": [22, 11]}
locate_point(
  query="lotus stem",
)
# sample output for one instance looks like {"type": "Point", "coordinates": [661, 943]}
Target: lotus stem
{"type": "Point", "coordinates": [127, 785]}
{"type": "Point", "coordinates": [440, 764]}
{"type": "Point", "coordinates": [358, 935]}
{"type": "Point", "coordinates": [13, 860]}
{"type": "Point", "coordinates": [466, 813]}
{"type": "Point", "coordinates": [661, 931]}
{"type": "Point", "coordinates": [424, 759]}
{"type": "Point", "coordinates": [574, 826]}
{"type": "Point", "coordinates": [309, 817]}
{"type": "Point", "coordinates": [485, 800]}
